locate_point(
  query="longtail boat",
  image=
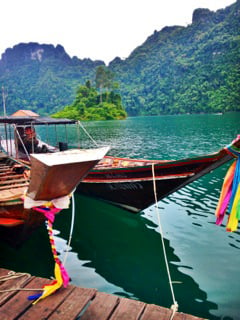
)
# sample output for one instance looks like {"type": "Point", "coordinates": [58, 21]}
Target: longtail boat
{"type": "Point", "coordinates": [43, 175]}
{"type": "Point", "coordinates": [128, 183]}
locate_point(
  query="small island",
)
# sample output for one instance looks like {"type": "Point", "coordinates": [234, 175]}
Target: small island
{"type": "Point", "coordinates": [96, 103]}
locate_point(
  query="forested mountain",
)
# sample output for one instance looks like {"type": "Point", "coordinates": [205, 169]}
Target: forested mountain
{"type": "Point", "coordinates": [42, 78]}
{"type": "Point", "coordinates": [176, 70]}
{"type": "Point", "coordinates": [185, 69]}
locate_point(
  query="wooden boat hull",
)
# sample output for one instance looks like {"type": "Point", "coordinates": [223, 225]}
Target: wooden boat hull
{"type": "Point", "coordinates": [133, 196]}
{"type": "Point", "coordinates": [25, 221]}
{"type": "Point", "coordinates": [52, 176]}
{"type": "Point", "coordinates": [55, 175]}
{"type": "Point", "coordinates": [16, 223]}
{"type": "Point", "coordinates": [131, 187]}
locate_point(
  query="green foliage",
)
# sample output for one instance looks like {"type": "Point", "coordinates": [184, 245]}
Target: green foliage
{"type": "Point", "coordinates": [191, 69]}
{"type": "Point", "coordinates": [89, 105]}
{"type": "Point", "coordinates": [41, 77]}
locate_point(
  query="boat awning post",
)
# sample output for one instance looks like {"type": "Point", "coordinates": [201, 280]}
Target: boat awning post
{"type": "Point", "coordinates": [78, 134]}
{"type": "Point", "coordinates": [15, 140]}
{"type": "Point", "coordinates": [10, 140]}
{"type": "Point", "coordinates": [32, 129]}
{"type": "Point", "coordinates": [6, 136]}
{"type": "Point", "coordinates": [66, 133]}
{"type": "Point", "coordinates": [47, 132]}
{"type": "Point", "coordinates": [56, 135]}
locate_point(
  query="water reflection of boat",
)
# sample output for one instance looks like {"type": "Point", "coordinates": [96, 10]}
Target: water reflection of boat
{"type": "Point", "coordinates": [110, 242]}
{"type": "Point", "coordinates": [44, 177]}
{"type": "Point", "coordinates": [128, 183]}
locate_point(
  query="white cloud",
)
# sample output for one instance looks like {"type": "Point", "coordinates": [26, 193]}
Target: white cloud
{"type": "Point", "coordinates": [96, 29]}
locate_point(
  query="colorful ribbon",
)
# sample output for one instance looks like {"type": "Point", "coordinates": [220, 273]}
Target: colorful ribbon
{"type": "Point", "coordinates": [61, 275]}
{"type": "Point", "coordinates": [230, 194]}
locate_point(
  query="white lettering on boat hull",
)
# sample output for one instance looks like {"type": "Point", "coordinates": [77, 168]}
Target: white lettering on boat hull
{"type": "Point", "coordinates": [125, 186]}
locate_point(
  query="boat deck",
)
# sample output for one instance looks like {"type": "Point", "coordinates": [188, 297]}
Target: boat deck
{"type": "Point", "coordinates": [13, 180]}
{"type": "Point", "coordinates": [73, 303]}
{"type": "Point", "coordinates": [109, 162]}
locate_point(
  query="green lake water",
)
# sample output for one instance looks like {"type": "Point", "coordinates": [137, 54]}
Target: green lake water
{"type": "Point", "coordinates": [121, 253]}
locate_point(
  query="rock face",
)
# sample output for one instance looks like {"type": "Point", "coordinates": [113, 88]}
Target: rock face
{"type": "Point", "coordinates": [201, 15]}
{"type": "Point", "coordinates": [42, 76]}
{"type": "Point", "coordinates": [25, 52]}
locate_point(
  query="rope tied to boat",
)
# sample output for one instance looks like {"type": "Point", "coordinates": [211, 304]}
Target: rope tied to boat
{"type": "Point", "coordinates": [71, 230]}
{"type": "Point", "coordinates": [174, 306]}
{"type": "Point", "coordinates": [15, 275]}
{"type": "Point", "coordinates": [229, 199]}
{"type": "Point", "coordinates": [232, 149]}
{"type": "Point", "coordinates": [86, 132]}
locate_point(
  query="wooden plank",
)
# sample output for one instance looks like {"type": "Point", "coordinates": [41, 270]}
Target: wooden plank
{"type": "Point", "coordinates": [11, 176]}
{"type": "Point", "coordinates": [19, 302]}
{"type": "Point", "coordinates": [180, 316]}
{"type": "Point", "coordinates": [128, 310]}
{"type": "Point", "coordinates": [154, 312]}
{"type": "Point", "coordinates": [10, 284]}
{"type": "Point", "coordinates": [9, 182]}
{"type": "Point", "coordinates": [13, 192]}
{"type": "Point", "coordinates": [184, 316]}
{"type": "Point", "coordinates": [4, 272]}
{"type": "Point", "coordinates": [2, 174]}
{"type": "Point", "coordinates": [3, 170]}
{"type": "Point", "coordinates": [14, 186]}
{"type": "Point", "coordinates": [101, 307]}
{"type": "Point", "coordinates": [74, 304]}
{"type": "Point", "coordinates": [44, 308]}
{"type": "Point", "coordinates": [6, 195]}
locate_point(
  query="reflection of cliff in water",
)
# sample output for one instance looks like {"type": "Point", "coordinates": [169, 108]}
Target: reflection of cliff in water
{"type": "Point", "coordinates": [126, 250]}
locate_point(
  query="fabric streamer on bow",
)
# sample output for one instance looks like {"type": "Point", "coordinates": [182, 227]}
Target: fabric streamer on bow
{"type": "Point", "coordinates": [230, 194]}
{"type": "Point", "coordinates": [61, 276]}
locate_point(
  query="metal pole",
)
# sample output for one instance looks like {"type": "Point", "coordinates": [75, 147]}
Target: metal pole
{"type": "Point", "coordinates": [10, 140]}
{"type": "Point", "coordinates": [6, 136]}
{"type": "Point", "coordinates": [66, 134]}
{"type": "Point", "coordinates": [4, 113]}
{"type": "Point", "coordinates": [56, 135]}
{"type": "Point", "coordinates": [4, 101]}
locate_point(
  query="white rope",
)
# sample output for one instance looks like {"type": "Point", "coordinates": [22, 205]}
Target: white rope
{"type": "Point", "coordinates": [90, 137]}
{"type": "Point", "coordinates": [71, 230]}
{"type": "Point", "coordinates": [14, 275]}
{"type": "Point", "coordinates": [174, 307]}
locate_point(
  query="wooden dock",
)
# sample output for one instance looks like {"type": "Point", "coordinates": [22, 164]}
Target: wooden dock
{"type": "Point", "coordinates": [73, 303]}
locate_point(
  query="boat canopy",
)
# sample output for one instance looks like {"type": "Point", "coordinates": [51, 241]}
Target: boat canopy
{"type": "Point", "coordinates": [34, 120]}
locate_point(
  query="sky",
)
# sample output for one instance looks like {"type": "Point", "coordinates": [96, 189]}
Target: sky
{"type": "Point", "coordinates": [95, 29]}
